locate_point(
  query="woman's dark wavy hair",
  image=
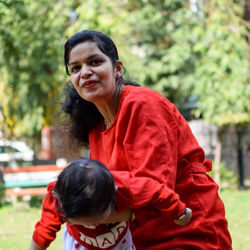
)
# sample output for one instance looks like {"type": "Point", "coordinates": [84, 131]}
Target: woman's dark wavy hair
{"type": "Point", "coordinates": [83, 114]}
{"type": "Point", "coordinates": [85, 188]}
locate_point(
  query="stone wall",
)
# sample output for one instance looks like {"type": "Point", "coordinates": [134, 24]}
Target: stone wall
{"type": "Point", "coordinates": [206, 135]}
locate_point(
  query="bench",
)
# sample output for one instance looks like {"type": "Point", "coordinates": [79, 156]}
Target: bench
{"type": "Point", "coordinates": [31, 180]}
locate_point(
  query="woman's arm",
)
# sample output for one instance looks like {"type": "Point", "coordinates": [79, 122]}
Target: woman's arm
{"type": "Point", "coordinates": [137, 192]}
{"type": "Point", "coordinates": [34, 246]}
{"type": "Point", "coordinates": [151, 147]}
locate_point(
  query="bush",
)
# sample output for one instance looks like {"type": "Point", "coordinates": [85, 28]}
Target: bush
{"type": "Point", "coordinates": [36, 201]}
{"type": "Point", "coordinates": [228, 179]}
{"type": "Point", "coordinates": [2, 189]}
{"type": "Point", "coordinates": [2, 194]}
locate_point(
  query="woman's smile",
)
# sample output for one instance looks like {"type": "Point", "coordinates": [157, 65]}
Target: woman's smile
{"type": "Point", "coordinates": [88, 84]}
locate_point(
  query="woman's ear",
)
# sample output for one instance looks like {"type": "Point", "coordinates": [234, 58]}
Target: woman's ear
{"type": "Point", "coordinates": [119, 69]}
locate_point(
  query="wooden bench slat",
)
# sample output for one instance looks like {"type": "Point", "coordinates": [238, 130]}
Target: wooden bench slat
{"type": "Point", "coordinates": [19, 192]}
{"type": "Point", "coordinates": [31, 180]}
{"type": "Point", "coordinates": [38, 168]}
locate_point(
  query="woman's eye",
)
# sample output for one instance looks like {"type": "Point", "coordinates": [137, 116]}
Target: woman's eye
{"type": "Point", "coordinates": [75, 69]}
{"type": "Point", "coordinates": [95, 62]}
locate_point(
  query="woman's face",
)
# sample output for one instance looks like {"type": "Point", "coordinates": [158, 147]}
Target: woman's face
{"type": "Point", "coordinates": [92, 72]}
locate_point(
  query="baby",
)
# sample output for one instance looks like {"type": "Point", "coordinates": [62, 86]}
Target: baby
{"type": "Point", "coordinates": [83, 197]}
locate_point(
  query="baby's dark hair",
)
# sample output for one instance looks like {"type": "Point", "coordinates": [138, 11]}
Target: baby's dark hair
{"type": "Point", "coordinates": [85, 188]}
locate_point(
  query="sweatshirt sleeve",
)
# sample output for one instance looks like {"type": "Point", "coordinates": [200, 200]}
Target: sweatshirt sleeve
{"type": "Point", "coordinates": [50, 222]}
{"type": "Point", "coordinates": [139, 192]}
{"type": "Point", "coordinates": [151, 148]}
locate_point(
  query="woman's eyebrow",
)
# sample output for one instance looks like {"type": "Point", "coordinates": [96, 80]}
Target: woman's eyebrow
{"type": "Point", "coordinates": [92, 56]}
{"type": "Point", "coordinates": [88, 58]}
{"type": "Point", "coordinates": [72, 63]}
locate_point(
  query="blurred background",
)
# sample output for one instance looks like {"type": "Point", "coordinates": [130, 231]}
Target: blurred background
{"type": "Point", "coordinates": [194, 52]}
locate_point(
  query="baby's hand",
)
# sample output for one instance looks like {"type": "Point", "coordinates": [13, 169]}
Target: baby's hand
{"type": "Point", "coordinates": [185, 218]}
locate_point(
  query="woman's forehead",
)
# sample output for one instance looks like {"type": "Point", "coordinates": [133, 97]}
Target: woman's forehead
{"type": "Point", "coordinates": [85, 50]}
{"type": "Point", "coordinates": [87, 47]}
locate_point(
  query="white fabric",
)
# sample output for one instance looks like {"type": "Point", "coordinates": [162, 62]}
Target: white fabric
{"type": "Point", "coordinates": [69, 243]}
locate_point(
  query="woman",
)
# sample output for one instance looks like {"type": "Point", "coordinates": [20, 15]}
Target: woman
{"type": "Point", "coordinates": [147, 145]}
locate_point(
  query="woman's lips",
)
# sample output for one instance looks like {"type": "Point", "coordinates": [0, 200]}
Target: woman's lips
{"type": "Point", "coordinates": [88, 84]}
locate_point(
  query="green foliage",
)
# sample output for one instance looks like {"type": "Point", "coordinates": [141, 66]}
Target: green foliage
{"type": "Point", "coordinates": [2, 194]}
{"type": "Point", "coordinates": [32, 37]}
{"type": "Point", "coordinates": [222, 73]}
{"type": "Point", "coordinates": [31, 56]}
{"type": "Point", "coordinates": [36, 201]}
{"type": "Point", "coordinates": [228, 179]}
{"type": "Point", "coordinates": [164, 45]}
{"type": "Point", "coordinates": [164, 34]}
{"type": "Point", "coordinates": [203, 53]}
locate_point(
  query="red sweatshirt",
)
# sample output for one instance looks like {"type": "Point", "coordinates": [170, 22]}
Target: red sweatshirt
{"type": "Point", "coordinates": [104, 236]}
{"type": "Point", "coordinates": [157, 164]}
{"type": "Point", "coordinates": [160, 168]}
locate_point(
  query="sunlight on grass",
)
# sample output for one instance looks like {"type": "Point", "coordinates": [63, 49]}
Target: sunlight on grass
{"type": "Point", "coordinates": [237, 205]}
{"type": "Point", "coordinates": [17, 222]}
{"type": "Point", "coordinates": [17, 225]}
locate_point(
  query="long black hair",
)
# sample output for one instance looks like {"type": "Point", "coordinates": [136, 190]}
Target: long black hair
{"type": "Point", "coordinates": [85, 188]}
{"type": "Point", "coordinates": [84, 115]}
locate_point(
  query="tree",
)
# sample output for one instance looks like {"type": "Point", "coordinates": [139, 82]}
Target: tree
{"type": "Point", "coordinates": [31, 62]}
{"type": "Point", "coordinates": [32, 36]}
{"type": "Point", "coordinates": [164, 37]}
{"type": "Point", "coordinates": [222, 73]}
{"type": "Point", "coordinates": [190, 49]}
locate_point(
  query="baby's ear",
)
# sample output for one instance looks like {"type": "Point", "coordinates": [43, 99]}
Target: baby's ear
{"type": "Point", "coordinates": [53, 193]}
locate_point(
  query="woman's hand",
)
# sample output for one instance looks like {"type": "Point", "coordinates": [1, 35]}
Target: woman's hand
{"type": "Point", "coordinates": [34, 246]}
{"type": "Point", "coordinates": [185, 218]}
{"type": "Point", "coordinates": [115, 216]}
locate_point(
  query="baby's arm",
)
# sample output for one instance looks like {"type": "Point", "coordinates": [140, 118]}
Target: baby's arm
{"type": "Point", "coordinates": [34, 246]}
{"type": "Point", "coordinates": [49, 224]}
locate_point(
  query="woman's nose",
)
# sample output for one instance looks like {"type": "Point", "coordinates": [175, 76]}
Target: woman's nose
{"type": "Point", "coordinates": [86, 71]}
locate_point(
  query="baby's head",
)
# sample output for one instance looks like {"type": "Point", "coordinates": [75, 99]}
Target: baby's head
{"type": "Point", "coordinates": [85, 189]}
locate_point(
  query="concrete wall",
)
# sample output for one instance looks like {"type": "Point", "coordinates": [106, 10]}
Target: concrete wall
{"type": "Point", "coordinates": [207, 137]}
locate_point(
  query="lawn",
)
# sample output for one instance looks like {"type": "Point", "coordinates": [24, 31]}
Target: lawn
{"type": "Point", "coordinates": [237, 205]}
{"type": "Point", "coordinates": [16, 227]}
{"type": "Point", "coordinates": [17, 222]}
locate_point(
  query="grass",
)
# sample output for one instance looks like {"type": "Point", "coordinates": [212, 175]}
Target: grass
{"type": "Point", "coordinates": [17, 222]}
{"type": "Point", "coordinates": [17, 225]}
{"type": "Point", "coordinates": [237, 205]}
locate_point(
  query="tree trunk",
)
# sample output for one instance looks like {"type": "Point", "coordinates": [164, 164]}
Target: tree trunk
{"type": "Point", "coordinates": [240, 158]}
{"type": "Point", "coordinates": [247, 10]}
{"type": "Point", "coordinates": [217, 157]}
